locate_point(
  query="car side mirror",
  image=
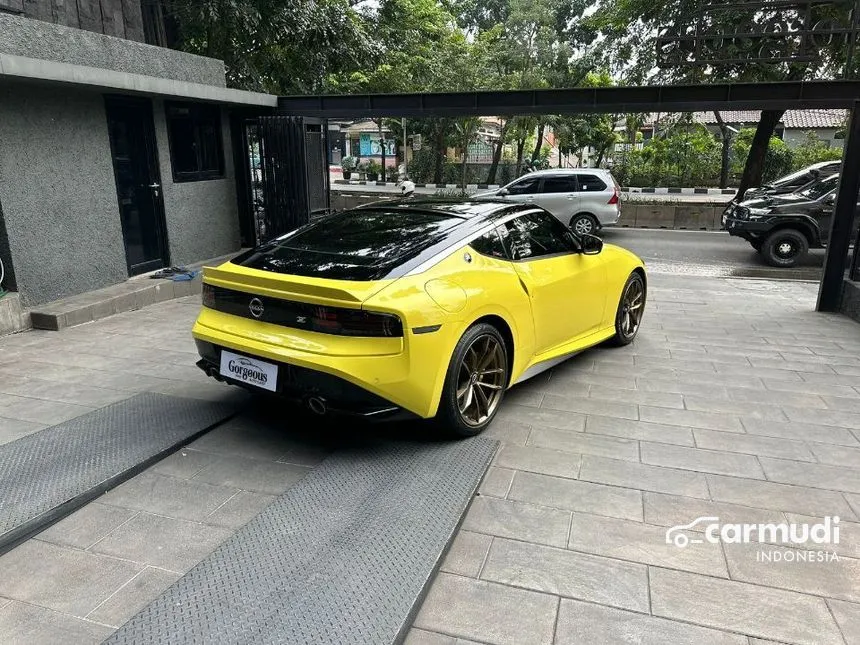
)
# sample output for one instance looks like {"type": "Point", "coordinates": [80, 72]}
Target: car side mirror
{"type": "Point", "coordinates": [591, 244]}
{"type": "Point", "coordinates": [502, 192]}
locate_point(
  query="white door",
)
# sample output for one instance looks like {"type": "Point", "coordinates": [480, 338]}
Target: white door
{"type": "Point", "coordinates": [559, 196]}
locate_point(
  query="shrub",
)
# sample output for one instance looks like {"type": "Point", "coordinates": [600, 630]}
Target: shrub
{"type": "Point", "coordinates": [814, 150]}
{"type": "Point", "coordinates": [349, 164]}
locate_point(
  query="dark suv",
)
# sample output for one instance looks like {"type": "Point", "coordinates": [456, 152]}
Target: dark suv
{"type": "Point", "coordinates": [783, 228]}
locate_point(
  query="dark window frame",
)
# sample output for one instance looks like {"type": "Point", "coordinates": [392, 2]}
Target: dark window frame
{"type": "Point", "coordinates": [503, 230]}
{"type": "Point", "coordinates": [200, 115]}
{"type": "Point", "coordinates": [524, 180]}
{"type": "Point", "coordinates": [571, 178]}
{"type": "Point", "coordinates": [579, 183]}
{"type": "Point", "coordinates": [494, 233]}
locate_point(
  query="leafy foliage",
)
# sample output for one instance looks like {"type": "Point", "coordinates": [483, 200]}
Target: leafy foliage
{"type": "Point", "coordinates": [277, 46]}
{"type": "Point", "coordinates": [777, 162]}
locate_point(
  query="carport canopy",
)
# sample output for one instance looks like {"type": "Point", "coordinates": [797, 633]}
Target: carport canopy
{"type": "Point", "coordinates": [788, 95]}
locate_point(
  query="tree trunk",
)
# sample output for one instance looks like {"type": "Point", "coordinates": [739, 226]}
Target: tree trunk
{"type": "Point", "coordinates": [521, 143]}
{"type": "Point", "coordinates": [726, 138]}
{"type": "Point", "coordinates": [755, 160]}
{"type": "Point", "coordinates": [497, 154]}
{"type": "Point", "coordinates": [463, 164]}
{"type": "Point", "coordinates": [539, 144]}
{"type": "Point", "coordinates": [440, 154]}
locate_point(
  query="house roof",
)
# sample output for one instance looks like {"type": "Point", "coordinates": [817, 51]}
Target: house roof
{"type": "Point", "coordinates": [791, 120]}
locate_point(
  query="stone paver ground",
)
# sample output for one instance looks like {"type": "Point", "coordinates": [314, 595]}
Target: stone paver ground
{"type": "Point", "coordinates": [736, 401]}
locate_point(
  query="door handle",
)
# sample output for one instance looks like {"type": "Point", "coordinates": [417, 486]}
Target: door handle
{"type": "Point", "coordinates": [154, 186]}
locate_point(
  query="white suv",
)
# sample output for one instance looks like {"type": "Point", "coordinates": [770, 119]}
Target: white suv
{"type": "Point", "coordinates": [585, 199]}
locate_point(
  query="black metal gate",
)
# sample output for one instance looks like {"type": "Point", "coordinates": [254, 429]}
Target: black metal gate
{"type": "Point", "coordinates": [286, 175]}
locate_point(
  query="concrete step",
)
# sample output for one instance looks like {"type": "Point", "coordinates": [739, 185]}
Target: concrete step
{"type": "Point", "coordinates": [13, 316]}
{"type": "Point", "coordinates": [95, 305]}
{"type": "Point", "coordinates": [134, 294]}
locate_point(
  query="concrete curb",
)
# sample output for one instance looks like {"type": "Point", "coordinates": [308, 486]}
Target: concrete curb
{"type": "Point", "coordinates": [392, 184]}
{"type": "Point", "coordinates": [679, 191]}
{"type": "Point", "coordinates": [624, 189]}
{"type": "Point", "coordinates": [684, 216]}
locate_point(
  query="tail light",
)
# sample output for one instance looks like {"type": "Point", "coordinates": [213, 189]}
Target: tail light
{"type": "Point", "coordinates": [615, 196]}
{"type": "Point", "coordinates": [355, 322]}
{"type": "Point", "coordinates": [209, 296]}
{"type": "Point", "coordinates": [301, 315]}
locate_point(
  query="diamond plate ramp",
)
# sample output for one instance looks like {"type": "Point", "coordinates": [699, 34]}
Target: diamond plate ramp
{"type": "Point", "coordinates": [342, 558]}
{"type": "Point", "coordinates": [47, 475]}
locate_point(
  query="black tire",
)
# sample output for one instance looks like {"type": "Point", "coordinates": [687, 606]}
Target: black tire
{"type": "Point", "coordinates": [449, 416]}
{"type": "Point", "coordinates": [756, 244]}
{"type": "Point", "coordinates": [584, 224]}
{"type": "Point", "coordinates": [635, 284]}
{"type": "Point", "coordinates": [783, 248]}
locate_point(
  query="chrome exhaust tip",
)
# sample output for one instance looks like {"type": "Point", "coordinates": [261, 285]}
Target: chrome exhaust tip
{"type": "Point", "coordinates": [317, 405]}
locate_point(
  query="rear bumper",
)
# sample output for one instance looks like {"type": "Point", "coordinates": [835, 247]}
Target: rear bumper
{"type": "Point", "coordinates": [317, 390]}
{"type": "Point", "coordinates": [350, 378]}
{"type": "Point", "coordinates": [609, 218]}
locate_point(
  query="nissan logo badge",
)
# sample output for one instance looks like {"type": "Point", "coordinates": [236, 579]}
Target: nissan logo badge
{"type": "Point", "coordinates": [256, 307]}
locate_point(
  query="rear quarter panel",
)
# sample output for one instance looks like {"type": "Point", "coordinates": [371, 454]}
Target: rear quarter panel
{"type": "Point", "coordinates": [463, 292]}
{"type": "Point", "coordinates": [620, 263]}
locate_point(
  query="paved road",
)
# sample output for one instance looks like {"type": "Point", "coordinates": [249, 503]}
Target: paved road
{"type": "Point", "coordinates": [707, 253]}
{"type": "Point", "coordinates": [640, 197]}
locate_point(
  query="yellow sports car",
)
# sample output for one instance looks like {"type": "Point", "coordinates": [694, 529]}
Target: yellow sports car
{"type": "Point", "coordinates": [426, 308]}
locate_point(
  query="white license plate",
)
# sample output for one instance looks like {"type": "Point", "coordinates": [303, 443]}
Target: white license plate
{"type": "Point", "coordinates": [252, 371]}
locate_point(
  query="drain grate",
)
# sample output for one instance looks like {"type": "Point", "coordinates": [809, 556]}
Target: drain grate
{"type": "Point", "coordinates": [342, 558]}
{"type": "Point", "coordinates": [48, 474]}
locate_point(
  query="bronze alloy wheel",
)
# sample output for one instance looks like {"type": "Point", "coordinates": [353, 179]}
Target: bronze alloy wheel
{"type": "Point", "coordinates": [481, 380]}
{"type": "Point", "coordinates": [632, 307]}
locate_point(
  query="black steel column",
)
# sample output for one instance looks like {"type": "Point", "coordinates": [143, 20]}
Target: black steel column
{"type": "Point", "coordinates": [9, 283]}
{"type": "Point", "coordinates": [844, 210]}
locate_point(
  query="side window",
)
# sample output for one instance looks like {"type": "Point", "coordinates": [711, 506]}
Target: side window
{"type": "Point", "coordinates": [535, 235]}
{"type": "Point", "coordinates": [591, 184]}
{"type": "Point", "coordinates": [559, 184]}
{"type": "Point", "coordinates": [527, 186]}
{"type": "Point", "coordinates": [196, 148]}
{"type": "Point", "coordinates": [490, 244]}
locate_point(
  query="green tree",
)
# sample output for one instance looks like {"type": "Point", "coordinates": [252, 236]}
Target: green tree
{"type": "Point", "coordinates": [778, 159]}
{"type": "Point", "coordinates": [277, 46]}
{"type": "Point", "coordinates": [630, 28]}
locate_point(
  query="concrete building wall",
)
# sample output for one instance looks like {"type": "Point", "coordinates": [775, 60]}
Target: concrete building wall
{"type": "Point", "coordinates": [58, 191]}
{"type": "Point", "coordinates": [202, 216]}
{"type": "Point", "coordinates": [794, 137]}
{"type": "Point", "coordinates": [36, 39]}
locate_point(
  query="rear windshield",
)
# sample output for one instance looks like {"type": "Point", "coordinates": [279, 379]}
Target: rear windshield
{"type": "Point", "coordinates": [355, 245]}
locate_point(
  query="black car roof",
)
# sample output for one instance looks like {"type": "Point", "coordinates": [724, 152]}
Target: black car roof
{"type": "Point", "coordinates": [377, 241]}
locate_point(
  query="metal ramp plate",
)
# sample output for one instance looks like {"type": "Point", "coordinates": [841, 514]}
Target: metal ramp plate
{"type": "Point", "coordinates": [45, 476]}
{"type": "Point", "coordinates": [342, 558]}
